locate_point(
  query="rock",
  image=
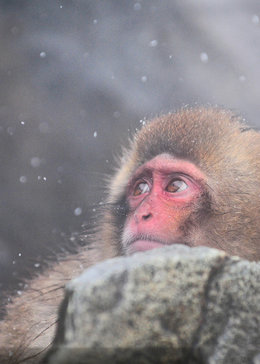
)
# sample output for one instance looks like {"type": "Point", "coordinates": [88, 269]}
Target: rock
{"type": "Point", "coordinates": [170, 305]}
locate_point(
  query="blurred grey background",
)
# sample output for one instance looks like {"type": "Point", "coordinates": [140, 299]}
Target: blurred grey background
{"type": "Point", "coordinates": [77, 78]}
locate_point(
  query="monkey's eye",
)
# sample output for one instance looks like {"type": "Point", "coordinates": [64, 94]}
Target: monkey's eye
{"type": "Point", "coordinates": [140, 188]}
{"type": "Point", "coordinates": [176, 185]}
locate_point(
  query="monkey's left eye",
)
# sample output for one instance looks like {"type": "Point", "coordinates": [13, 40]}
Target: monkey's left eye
{"type": "Point", "coordinates": [140, 188]}
{"type": "Point", "coordinates": [176, 185]}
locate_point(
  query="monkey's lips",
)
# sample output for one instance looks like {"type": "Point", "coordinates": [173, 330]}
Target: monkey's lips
{"type": "Point", "coordinates": [143, 245]}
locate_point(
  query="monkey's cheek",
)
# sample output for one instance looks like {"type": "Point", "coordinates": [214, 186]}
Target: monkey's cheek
{"type": "Point", "coordinates": [143, 245]}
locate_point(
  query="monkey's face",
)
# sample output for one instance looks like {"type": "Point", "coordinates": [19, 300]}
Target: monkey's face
{"type": "Point", "coordinates": [161, 196]}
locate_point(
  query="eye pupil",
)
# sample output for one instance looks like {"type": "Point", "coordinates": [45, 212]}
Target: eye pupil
{"type": "Point", "coordinates": [141, 188]}
{"type": "Point", "coordinates": [176, 186]}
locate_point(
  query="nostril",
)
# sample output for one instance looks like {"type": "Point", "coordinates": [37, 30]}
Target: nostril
{"type": "Point", "coordinates": [146, 217]}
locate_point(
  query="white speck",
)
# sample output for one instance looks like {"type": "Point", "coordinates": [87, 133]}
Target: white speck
{"type": "Point", "coordinates": [37, 265]}
{"type": "Point", "coordinates": [43, 54]}
{"type": "Point", "coordinates": [72, 238]}
{"type": "Point", "coordinates": [95, 21]}
{"type": "Point", "coordinates": [39, 178]}
{"type": "Point", "coordinates": [61, 6]}
{"type": "Point", "coordinates": [14, 262]}
{"type": "Point", "coordinates": [44, 178]}
{"type": "Point", "coordinates": [94, 210]}
{"type": "Point", "coordinates": [153, 43]}
{"type": "Point", "coordinates": [78, 211]}
{"type": "Point", "coordinates": [82, 113]}
{"type": "Point", "coordinates": [44, 127]}
{"type": "Point", "coordinates": [35, 162]}
{"type": "Point", "coordinates": [22, 123]}
{"type": "Point", "coordinates": [242, 78]}
{"type": "Point", "coordinates": [116, 114]}
{"type": "Point", "coordinates": [137, 6]}
{"type": "Point", "coordinates": [10, 130]}
{"type": "Point", "coordinates": [95, 134]}
{"type": "Point", "coordinates": [171, 56]}
{"type": "Point", "coordinates": [14, 30]}
{"type": "Point", "coordinates": [23, 179]}
{"type": "Point", "coordinates": [144, 79]}
{"type": "Point", "coordinates": [204, 57]}
{"type": "Point", "coordinates": [255, 19]}
{"type": "Point", "coordinates": [19, 254]}
{"type": "Point", "coordinates": [19, 293]}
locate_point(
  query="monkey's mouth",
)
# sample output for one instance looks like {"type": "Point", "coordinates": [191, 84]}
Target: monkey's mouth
{"type": "Point", "coordinates": [143, 245]}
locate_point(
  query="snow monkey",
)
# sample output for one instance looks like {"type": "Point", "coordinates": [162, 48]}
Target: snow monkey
{"type": "Point", "coordinates": [190, 177]}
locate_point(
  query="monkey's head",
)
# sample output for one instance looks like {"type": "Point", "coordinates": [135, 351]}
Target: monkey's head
{"type": "Point", "coordinates": [190, 178]}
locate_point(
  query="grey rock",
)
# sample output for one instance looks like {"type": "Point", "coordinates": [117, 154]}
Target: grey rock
{"type": "Point", "coordinates": [170, 305]}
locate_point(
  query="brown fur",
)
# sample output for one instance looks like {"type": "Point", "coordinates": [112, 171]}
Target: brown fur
{"type": "Point", "coordinates": [29, 326]}
{"type": "Point", "coordinates": [226, 151]}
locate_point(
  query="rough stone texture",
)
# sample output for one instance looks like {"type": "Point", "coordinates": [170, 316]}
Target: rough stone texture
{"type": "Point", "coordinates": [171, 305]}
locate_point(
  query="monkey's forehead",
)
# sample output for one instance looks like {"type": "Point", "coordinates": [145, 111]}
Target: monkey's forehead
{"type": "Point", "coordinates": [167, 164]}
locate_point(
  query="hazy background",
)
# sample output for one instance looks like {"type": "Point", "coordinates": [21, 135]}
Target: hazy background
{"type": "Point", "coordinates": [76, 79]}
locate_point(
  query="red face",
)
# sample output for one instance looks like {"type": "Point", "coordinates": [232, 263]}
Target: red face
{"type": "Point", "coordinates": [161, 196]}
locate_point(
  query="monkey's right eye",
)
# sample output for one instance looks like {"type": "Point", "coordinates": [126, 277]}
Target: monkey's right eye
{"type": "Point", "coordinates": [140, 188]}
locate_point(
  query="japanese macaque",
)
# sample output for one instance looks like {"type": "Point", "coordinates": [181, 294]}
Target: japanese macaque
{"type": "Point", "coordinates": [192, 177]}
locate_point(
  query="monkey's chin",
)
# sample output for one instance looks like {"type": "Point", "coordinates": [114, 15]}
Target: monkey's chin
{"type": "Point", "coordinates": [143, 245]}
